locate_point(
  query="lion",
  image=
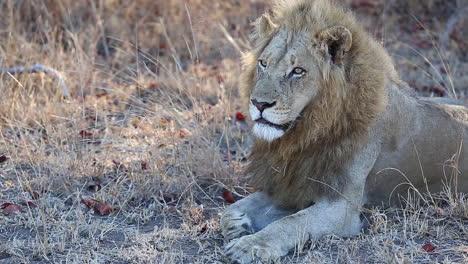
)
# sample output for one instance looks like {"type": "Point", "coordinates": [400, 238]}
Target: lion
{"type": "Point", "coordinates": [335, 130]}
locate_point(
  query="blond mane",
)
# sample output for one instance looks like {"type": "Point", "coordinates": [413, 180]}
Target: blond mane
{"type": "Point", "coordinates": [309, 156]}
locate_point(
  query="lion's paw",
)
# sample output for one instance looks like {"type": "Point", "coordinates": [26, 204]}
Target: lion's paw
{"type": "Point", "coordinates": [252, 249]}
{"type": "Point", "coordinates": [236, 224]}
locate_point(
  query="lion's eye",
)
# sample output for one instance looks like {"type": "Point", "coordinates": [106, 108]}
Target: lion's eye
{"type": "Point", "coordinates": [298, 71]}
{"type": "Point", "coordinates": [262, 63]}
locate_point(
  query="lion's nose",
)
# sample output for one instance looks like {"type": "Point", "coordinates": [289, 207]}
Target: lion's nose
{"type": "Point", "coordinates": [262, 105]}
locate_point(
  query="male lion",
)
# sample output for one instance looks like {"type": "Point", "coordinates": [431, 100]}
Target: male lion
{"type": "Point", "coordinates": [335, 129]}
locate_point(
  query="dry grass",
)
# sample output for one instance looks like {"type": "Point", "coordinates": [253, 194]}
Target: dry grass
{"type": "Point", "coordinates": [150, 130]}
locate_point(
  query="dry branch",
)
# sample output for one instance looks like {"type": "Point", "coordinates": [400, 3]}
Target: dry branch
{"type": "Point", "coordinates": [40, 68]}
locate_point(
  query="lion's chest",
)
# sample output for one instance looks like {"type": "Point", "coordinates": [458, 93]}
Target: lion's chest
{"type": "Point", "coordinates": [293, 184]}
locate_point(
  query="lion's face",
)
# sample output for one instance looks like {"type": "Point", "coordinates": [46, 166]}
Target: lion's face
{"type": "Point", "coordinates": [287, 80]}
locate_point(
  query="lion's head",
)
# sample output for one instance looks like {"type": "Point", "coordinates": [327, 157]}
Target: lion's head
{"type": "Point", "coordinates": [289, 75]}
{"type": "Point", "coordinates": [300, 70]}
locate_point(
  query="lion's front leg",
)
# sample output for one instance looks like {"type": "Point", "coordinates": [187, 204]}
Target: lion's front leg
{"type": "Point", "coordinates": [339, 216]}
{"type": "Point", "coordinates": [249, 215]}
{"type": "Point", "coordinates": [277, 239]}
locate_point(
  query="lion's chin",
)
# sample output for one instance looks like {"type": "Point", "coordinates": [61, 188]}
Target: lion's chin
{"type": "Point", "coordinates": [266, 132]}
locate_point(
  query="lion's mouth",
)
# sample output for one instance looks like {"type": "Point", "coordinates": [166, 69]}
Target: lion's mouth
{"type": "Point", "coordinates": [283, 127]}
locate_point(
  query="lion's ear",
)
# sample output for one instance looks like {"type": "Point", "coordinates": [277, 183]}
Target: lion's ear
{"type": "Point", "coordinates": [338, 40]}
{"type": "Point", "coordinates": [264, 26]}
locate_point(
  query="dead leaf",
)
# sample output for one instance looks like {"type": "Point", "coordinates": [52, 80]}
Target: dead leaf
{"type": "Point", "coordinates": [103, 209]}
{"type": "Point", "coordinates": [98, 206]}
{"type": "Point", "coordinates": [153, 85]}
{"type": "Point", "coordinates": [9, 208]}
{"type": "Point", "coordinates": [240, 116]}
{"type": "Point", "coordinates": [227, 195]}
{"type": "Point", "coordinates": [85, 134]}
{"type": "Point", "coordinates": [5, 205]}
{"type": "Point", "coordinates": [3, 158]}
{"type": "Point", "coordinates": [428, 247]}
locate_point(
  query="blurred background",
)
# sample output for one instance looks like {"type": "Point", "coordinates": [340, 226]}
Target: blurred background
{"type": "Point", "coordinates": [140, 129]}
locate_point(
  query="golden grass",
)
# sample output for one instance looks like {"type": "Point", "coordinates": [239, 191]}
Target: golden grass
{"type": "Point", "coordinates": [150, 130]}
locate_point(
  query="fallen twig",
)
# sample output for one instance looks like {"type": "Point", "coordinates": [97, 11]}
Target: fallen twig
{"type": "Point", "coordinates": [40, 68]}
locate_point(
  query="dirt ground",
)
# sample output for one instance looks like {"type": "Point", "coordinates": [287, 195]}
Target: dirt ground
{"type": "Point", "coordinates": [133, 158]}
